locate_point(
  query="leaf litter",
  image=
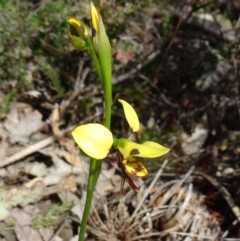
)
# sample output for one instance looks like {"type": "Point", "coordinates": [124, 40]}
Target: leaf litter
{"type": "Point", "coordinates": [58, 169]}
{"type": "Point", "coordinates": [61, 170]}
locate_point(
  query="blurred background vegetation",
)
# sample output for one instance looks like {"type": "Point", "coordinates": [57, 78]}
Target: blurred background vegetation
{"type": "Point", "coordinates": [176, 61]}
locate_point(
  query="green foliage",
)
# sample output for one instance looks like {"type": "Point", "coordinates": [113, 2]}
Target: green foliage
{"type": "Point", "coordinates": [87, 103]}
{"type": "Point", "coordinates": [152, 134]}
{"type": "Point", "coordinates": [13, 223]}
{"type": "Point", "coordinates": [54, 77]}
{"type": "Point", "coordinates": [216, 53]}
{"type": "Point", "coordinates": [116, 14]}
{"type": "Point", "coordinates": [52, 216]}
{"type": "Point", "coordinates": [6, 101]}
{"type": "Point", "coordinates": [24, 30]}
{"type": "Point", "coordinates": [165, 24]}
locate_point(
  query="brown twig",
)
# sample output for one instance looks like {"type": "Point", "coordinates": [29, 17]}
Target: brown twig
{"type": "Point", "coordinates": [180, 21]}
{"type": "Point", "coordinates": [41, 144]}
{"type": "Point", "coordinates": [133, 71]}
{"type": "Point", "coordinates": [226, 195]}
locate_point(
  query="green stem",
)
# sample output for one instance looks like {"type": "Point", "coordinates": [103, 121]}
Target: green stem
{"type": "Point", "coordinates": [106, 81]}
{"type": "Point", "coordinates": [95, 61]}
{"type": "Point", "coordinates": [106, 67]}
{"type": "Point", "coordinates": [104, 72]}
{"type": "Point", "coordinates": [108, 104]}
{"type": "Point", "coordinates": [95, 165]}
{"type": "Point", "coordinates": [95, 169]}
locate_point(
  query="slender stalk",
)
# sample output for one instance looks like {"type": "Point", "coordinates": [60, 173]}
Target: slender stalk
{"type": "Point", "coordinates": [105, 60]}
{"type": "Point", "coordinates": [95, 168]}
{"type": "Point", "coordinates": [95, 165]}
{"type": "Point", "coordinates": [95, 61]}
{"type": "Point", "coordinates": [106, 81]}
{"type": "Point", "coordinates": [101, 58]}
{"type": "Point", "coordinates": [108, 101]}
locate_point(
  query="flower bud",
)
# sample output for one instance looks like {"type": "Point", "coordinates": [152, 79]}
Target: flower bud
{"type": "Point", "coordinates": [79, 33]}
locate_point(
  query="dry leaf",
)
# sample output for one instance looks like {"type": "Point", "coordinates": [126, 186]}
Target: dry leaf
{"type": "Point", "coordinates": [3, 150]}
{"type": "Point", "coordinates": [67, 232]}
{"type": "Point", "coordinates": [33, 182]}
{"type": "Point", "coordinates": [3, 132]}
{"type": "Point", "coordinates": [4, 209]}
{"type": "Point", "coordinates": [17, 197]}
{"type": "Point", "coordinates": [104, 184]}
{"type": "Point", "coordinates": [6, 233]}
{"type": "Point", "coordinates": [69, 183]}
{"type": "Point", "coordinates": [59, 170]}
{"type": "Point", "coordinates": [124, 56]}
{"type": "Point", "coordinates": [25, 232]}
{"type": "Point", "coordinates": [77, 209]}
{"type": "Point", "coordinates": [24, 215]}
{"type": "Point", "coordinates": [55, 119]}
{"type": "Point", "coordinates": [72, 153]}
{"type": "Point", "coordinates": [73, 159]}
{"type": "Point", "coordinates": [22, 122]}
{"type": "Point", "coordinates": [192, 144]}
{"type": "Point", "coordinates": [75, 238]}
{"type": "Point", "coordinates": [22, 197]}
{"type": "Point", "coordinates": [36, 169]}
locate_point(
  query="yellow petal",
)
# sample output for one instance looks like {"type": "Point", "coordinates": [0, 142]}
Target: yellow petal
{"type": "Point", "coordinates": [94, 17]}
{"type": "Point", "coordinates": [134, 167]}
{"type": "Point", "coordinates": [94, 139]}
{"type": "Point", "coordinates": [130, 115]}
{"type": "Point", "coordinates": [148, 149]}
{"type": "Point", "coordinates": [77, 27]}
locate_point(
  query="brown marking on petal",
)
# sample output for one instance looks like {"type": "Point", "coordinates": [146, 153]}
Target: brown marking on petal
{"type": "Point", "coordinates": [136, 171]}
{"type": "Point", "coordinates": [94, 32]}
{"type": "Point", "coordinates": [134, 152]}
{"type": "Point", "coordinates": [126, 177]}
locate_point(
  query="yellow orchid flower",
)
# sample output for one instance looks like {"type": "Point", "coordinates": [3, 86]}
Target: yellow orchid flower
{"type": "Point", "coordinates": [129, 149]}
{"type": "Point", "coordinates": [98, 142]}
{"type": "Point", "coordinates": [79, 33]}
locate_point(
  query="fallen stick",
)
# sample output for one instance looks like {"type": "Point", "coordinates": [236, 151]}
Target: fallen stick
{"type": "Point", "coordinates": [226, 195]}
{"type": "Point", "coordinates": [41, 144]}
{"type": "Point", "coordinates": [29, 150]}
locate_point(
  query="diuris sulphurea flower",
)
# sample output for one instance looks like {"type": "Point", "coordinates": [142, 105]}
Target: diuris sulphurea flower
{"type": "Point", "coordinates": [98, 142]}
